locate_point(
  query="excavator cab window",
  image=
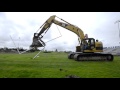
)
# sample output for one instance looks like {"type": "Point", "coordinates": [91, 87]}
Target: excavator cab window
{"type": "Point", "coordinates": [89, 43]}
{"type": "Point", "coordinates": [92, 43]}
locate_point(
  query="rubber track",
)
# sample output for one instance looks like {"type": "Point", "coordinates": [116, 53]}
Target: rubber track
{"type": "Point", "coordinates": [93, 57]}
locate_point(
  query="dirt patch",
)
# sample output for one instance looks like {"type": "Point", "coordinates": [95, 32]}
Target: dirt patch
{"type": "Point", "coordinates": [72, 76]}
{"type": "Point", "coordinates": [62, 70]}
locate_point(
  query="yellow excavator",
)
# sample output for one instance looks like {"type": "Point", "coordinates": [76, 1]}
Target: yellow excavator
{"type": "Point", "coordinates": [88, 48]}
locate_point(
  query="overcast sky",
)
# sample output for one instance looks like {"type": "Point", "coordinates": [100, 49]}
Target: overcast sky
{"type": "Point", "coordinates": [22, 25]}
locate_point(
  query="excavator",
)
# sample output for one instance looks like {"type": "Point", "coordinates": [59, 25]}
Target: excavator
{"type": "Point", "coordinates": [88, 48]}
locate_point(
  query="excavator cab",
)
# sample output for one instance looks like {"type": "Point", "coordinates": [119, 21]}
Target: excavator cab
{"type": "Point", "coordinates": [88, 43]}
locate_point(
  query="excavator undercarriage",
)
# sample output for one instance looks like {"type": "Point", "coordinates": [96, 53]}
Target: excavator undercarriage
{"type": "Point", "coordinates": [79, 56]}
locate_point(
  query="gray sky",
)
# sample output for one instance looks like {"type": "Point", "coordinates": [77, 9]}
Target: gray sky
{"type": "Point", "coordinates": [22, 25]}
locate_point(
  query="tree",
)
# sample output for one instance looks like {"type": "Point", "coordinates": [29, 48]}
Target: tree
{"type": "Point", "coordinates": [56, 50]}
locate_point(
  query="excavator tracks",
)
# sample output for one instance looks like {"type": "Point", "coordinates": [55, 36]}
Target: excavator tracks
{"type": "Point", "coordinates": [90, 57]}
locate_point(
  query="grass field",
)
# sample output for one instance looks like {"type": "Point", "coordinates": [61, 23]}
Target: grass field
{"type": "Point", "coordinates": [55, 65]}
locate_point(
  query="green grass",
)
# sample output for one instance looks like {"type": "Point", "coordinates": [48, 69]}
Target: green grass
{"type": "Point", "coordinates": [48, 65]}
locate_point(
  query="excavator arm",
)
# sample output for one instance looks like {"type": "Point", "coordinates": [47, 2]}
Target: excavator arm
{"type": "Point", "coordinates": [44, 28]}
